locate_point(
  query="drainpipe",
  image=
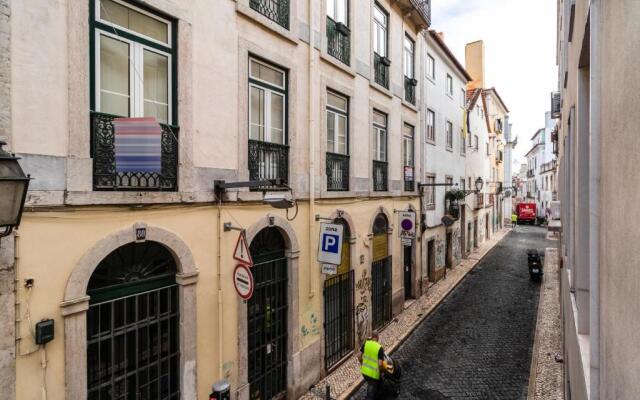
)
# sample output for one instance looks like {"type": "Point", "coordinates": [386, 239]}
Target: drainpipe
{"type": "Point", "coordinates": [219, 277]}
{"type": "Point", "coordinates": [595, 155]}
{"type": "Point", "coordinates": [312, 180]}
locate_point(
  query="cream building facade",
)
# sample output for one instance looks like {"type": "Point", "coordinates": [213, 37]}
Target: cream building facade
{"type": "Point", "coordinates": [598, 85]}
{"type": "Point", "coordinates": [323, 95]}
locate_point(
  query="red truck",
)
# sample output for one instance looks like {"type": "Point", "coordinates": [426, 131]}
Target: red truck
{"type": "Point", "coordinates": [526, 212]}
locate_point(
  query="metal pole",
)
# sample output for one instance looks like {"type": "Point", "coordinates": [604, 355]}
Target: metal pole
{"type": "Point", "coordinates": [327, 392]}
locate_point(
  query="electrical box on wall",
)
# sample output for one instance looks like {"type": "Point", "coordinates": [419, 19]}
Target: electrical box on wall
{"type": "Point", "coordinates": [44, 331]}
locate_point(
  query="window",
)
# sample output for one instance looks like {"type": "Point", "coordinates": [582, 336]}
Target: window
{"type": "Point", "coordinates": [480, 113]}
{"type": "Point", "coordinates": [448, 180]}
{"type": "Point", "coordinates": [487, 144]}
{"type": "Point", "coordinates": [431, 67]}
{"type": "Point", "coordinates": [431, 120]}
{"type": "Point", "coordinates": [475, 143]}
{"type": "Point", "coordinates": [337, 10]}
{"type": "Point", "coordinates": [449, 85]}
{"type": "Point", "coordinates": [430, 191]}
{"type": "Point", "coordinates": [409, 47]}
{"type": "Point", "coordinates": [407, 156]}
{"type": "Point", "coordinates": [379, 136]}
{"type": "Point", "coordinates": [133, 62]}
{"type": "Point", "coordinates": [463, 98]}
{"type": "Point", "coordinates": [337, 123]}
{"type": "Point", "coordinates": [380, 31]}
{"type": "Point", "coordinates": [449, 131]}
{"type": "Point", "coordinates": [463, 142]}
{"type": "Point", "coordinates": [463, 185]}
{"type": "Point", "coordinates": [267, 103]}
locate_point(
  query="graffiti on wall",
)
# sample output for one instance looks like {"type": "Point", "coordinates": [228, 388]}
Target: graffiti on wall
{"type": "Point", "coordinates": [457, 251]}
{"type": "Point", "coordinates": [440, 253]}
{"type": "Point", "coordinates": [310, 326]}
{"type": "Point", "coordinates": [363, 286]}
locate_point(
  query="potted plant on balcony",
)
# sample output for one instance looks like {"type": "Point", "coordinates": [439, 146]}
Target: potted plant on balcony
{"type": "Point", "coordinates": [342, 28]}
{"type": "Point", "coordinates": [453, 196]}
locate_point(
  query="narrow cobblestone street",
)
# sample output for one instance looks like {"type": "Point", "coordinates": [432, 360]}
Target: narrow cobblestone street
{"type": "Point", "coordinates": [478, 343]}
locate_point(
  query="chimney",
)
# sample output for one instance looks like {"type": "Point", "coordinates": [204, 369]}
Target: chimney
{"type": "Point", "coordinates": [474, 59]}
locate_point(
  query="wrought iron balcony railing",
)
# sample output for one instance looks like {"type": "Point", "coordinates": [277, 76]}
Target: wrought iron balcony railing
{"type": "Point", "coordinates": [105, 176]}
{"type": "Point", "coordinates": [380, 176]}
{"type": "Point", "coordinates": [410, 89]}
{"type": "Point", "coordinates": [479, 200]}
{"type": "Point", "coordinates": [409, 185]}
{"type": "Point", "coordinates": [381, 70]}
{"type": "Point", "coordinates": [337, 172]}
{"type": "Point", "coordinates": [424, 7]}
{"type": "Point", "coordinates": [268, 161]}
{"type": "Point", "coordinates": [338, 41]}
{"type": "Point", "coordinates": [275, 10]}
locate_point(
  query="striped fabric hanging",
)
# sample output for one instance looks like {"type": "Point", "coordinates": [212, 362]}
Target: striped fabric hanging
{"type": "Point", "coordinates": [137, 144]}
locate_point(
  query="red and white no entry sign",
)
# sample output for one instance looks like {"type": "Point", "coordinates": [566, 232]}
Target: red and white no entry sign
{"type": "Point", "coordinates": [243, 281]}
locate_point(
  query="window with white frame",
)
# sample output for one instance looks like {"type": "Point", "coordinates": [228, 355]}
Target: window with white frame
{"type": "Point", "coordinates": [133, 62]}
{"type": "Point", "coordinates": [407, 145]}
{"type": "Point", "coordinates": [431, 123]}
{"type": "Point", "coordinates": [409, 50]}
{"type": "Point", "coordinates": [337, 10]}
{"type": "Point", "coordinates": [463, 142]}
{"type": "Point", "coordinates": [475, 142]}
{"type": "Point", "coordinates": [463, 98]}
{"type": "Point", "coordinates": [379, 136]}
{"type": "Point", "coordinates": [449, 85]}
{"type": "Point", "coordinates": [430, 190]}
{"type": "Point", "coordinates": [337, 123]}
{"type": "Point", "coordinates": [431, 67]}
{"type": "Point", "coordinates": [380, 21]}
{"type": "Point", "coordinates": [267, 102]}
{"type": "Point", "coordinates": [449, 132]}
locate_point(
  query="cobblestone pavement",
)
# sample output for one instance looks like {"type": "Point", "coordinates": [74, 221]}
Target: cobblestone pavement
{"type": "Point", "coordinates": [548, 372]}
{"type": "Point", "coordinates": [346, 377]}
{"type": "Point", "coordinates": [478, 343]}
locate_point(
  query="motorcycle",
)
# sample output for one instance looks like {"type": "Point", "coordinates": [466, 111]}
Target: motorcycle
{"type": "Point", "coordinates": [535, 265]}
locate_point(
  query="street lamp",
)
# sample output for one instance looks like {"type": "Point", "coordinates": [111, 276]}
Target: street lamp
{"type": "Point", "coordinates": [479, 184]}
{"type": "Point", "coordinates": [13, 191]}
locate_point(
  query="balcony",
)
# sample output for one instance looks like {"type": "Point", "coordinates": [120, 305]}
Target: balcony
{"type": "Point", "coordinates": [409, 185]}
{"type": "Point", "coordinates": [275, 10]}
{"type": "Point", "coordinates": [105, 176]}
{"type": "Point", "coordinates": [380, 176]}
{"type": "Point", "coordinates": [479, 200]}
{"type": "Point", "coordinates": [337, 172]}
{"type": "Point", "coordinates": [530, 173]}
{"type": "Point", "coordinates": [499, 156]}
{"type": "Point", "coordinates": [491, 201]}
{"type": "Point", "coordinates": [381, 70]}
{"type": "Point", "coordinates": [338, 41]}
{"type": "Point", "coordinates": [268, 161]}
{"type": "Point", "coordinates": [410, 89]}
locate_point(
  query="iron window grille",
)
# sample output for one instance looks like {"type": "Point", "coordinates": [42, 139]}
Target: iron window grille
{"type": "Point", "coordinates": [275, 10]}
{"type": "Point", "coordinates": [380, 176]}
{"type": "Point", "coordinates": [381, 292]}
{"type": "Point", "coordinates": [338, 41]}
{"type": "Point", "coordinates": [337, 172]}
{"type": "Point", "coordinates": [381, 71]}
{"type": "Point", "coordinates": [268, 161]}
{"type": "Point", "coordinates": [338, 318]}
{"type": "Point", "coordinates": [103, 153]}
{"type": "Point", "coordinates": [410, 90]}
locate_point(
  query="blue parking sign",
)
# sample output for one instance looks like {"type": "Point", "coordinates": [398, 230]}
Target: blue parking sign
{"type": "Point", "coordinates": [330, 246]}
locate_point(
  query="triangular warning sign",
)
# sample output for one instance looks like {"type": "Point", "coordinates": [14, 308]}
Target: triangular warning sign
{"type": "Point", "coordinates": [241, 253]}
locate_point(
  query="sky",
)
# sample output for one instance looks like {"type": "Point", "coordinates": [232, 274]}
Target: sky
{"type": "Point", "coordinates": [520, 54]}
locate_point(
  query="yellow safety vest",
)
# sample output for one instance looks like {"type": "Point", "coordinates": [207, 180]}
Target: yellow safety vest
{"type": "Point", "coordinates": [370, 367]}
{"type": "Point", "coordinates": [514, 218]}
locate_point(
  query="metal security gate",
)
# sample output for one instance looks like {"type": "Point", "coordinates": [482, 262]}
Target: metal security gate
{"type": "Point", "coordinates": [133, 347]}
{"type": "Point", "coordinates": [338, 318]}
{"type": "Point", "coordinates": [381, 292]}
{"type": "Point", "coordinates": [267, 313]}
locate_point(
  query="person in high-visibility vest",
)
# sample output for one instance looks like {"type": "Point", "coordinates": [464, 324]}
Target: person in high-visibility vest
{"type": "Point", "coordinates": [514, 220]}
{"type": "Point", "coordinates": [371, 359]}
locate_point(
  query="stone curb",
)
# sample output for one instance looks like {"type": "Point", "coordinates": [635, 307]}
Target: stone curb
{"type": "Point", "coordinates": [356, 385]}
{"type": "Point", "coordinates": [531, 388]}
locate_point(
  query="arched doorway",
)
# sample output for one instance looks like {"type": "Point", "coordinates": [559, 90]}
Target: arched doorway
{"type": "Point", "coordinates": [267, 313]}
{"type": "Point", "coordinates": [339, 306]}
{"type": "Point", "coordinates": [380, 273]}
{"type": "Point", "coordinates": [133, 325]}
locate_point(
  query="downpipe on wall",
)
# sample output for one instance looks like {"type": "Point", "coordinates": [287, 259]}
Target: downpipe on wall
{"type": "Point", "coordinates": [312, 181]}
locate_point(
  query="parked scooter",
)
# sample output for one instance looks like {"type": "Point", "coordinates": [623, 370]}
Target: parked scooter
{"type": "Point", "coordinates": [535, 265]}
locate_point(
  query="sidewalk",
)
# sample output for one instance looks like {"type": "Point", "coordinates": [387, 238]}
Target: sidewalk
{"type": "Point", "coordinates": [346, 378]}
{"type": "Point", "coordinates": [546, 381]}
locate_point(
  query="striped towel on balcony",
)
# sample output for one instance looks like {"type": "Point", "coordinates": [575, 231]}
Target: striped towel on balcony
{"type": "Point", "coordinates": [137, 144]}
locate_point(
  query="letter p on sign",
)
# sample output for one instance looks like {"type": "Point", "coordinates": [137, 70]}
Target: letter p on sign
{"type": "Point", "coordinates": [330, 246]}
